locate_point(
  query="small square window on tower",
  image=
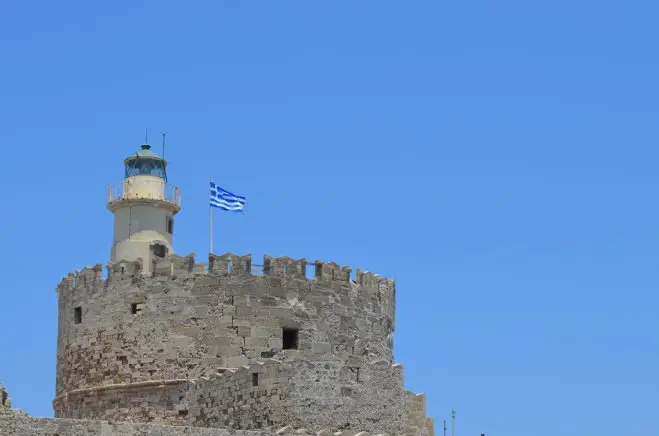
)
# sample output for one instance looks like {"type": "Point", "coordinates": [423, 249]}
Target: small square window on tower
{"type": "Point", "coordinates": [290, 339]}
{"type": "Point", "coordinates": [77, 315]}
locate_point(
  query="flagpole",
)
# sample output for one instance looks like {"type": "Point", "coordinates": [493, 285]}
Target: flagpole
{"type": "Point", "coordinates": [210, 222]}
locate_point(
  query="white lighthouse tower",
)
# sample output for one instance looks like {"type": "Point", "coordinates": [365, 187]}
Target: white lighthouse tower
{"type": "Point", "coordinates": [144, 205]}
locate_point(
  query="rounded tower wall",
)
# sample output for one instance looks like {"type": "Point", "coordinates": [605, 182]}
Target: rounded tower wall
{"type": "Point", "coordinates": [138, 226]}
{"type": "Point", "coordinates": [144, 187]}
{"type": "Point", "coordinates": [184, 320]}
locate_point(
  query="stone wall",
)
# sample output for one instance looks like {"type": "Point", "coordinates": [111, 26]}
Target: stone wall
{"type": "Point", "coordinates": [19, 425]}
{"type": "Point", "coordinates": [186, 321]}
{"type": "Point", "coordinates": [331, 394]}
{"type": "Point", "coordinates": [345, 394]}
{"type": "Point", "coordinates": [323, 394]}
{"type": "Point", "coordinates": [415, 411]}
{"type": "Point", "coordinates": [11, 425]}
{"type": "Point", "coordinates": [245, 398]}
{"type": "Point", "coordinates": [162, 401]}
{"type": "Point", "coordinates": [6, 411]}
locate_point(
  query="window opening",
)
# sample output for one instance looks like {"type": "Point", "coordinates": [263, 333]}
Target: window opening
{"type": "Point", "coordinates": [159, 250]}
{"type": "Point", "coordinates": [290, 339]}
{"type": "Point", "coordinates": [255, 379]}
{"type": "Point", "coordinates": [170, 225]}
{"type": "Point", "coordinates": [77, 315]}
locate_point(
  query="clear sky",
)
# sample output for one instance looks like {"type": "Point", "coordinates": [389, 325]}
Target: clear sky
{"type": "Point", "coordinates": [498, 159]}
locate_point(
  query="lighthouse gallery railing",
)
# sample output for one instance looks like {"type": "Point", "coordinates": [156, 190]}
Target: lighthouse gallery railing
{"type": "Point", "coordinates": [159, 191]}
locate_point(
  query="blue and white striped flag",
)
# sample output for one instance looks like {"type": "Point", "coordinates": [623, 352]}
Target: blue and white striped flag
{"type": "Point", "coordinates": [223, 199]}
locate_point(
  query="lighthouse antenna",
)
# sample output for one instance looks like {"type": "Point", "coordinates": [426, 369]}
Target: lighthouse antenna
{"type": "Point", "coordinates": [163, 145]}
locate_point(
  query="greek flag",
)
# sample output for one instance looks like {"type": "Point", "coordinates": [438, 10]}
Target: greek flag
{"type": "Point", "coordinates": [223, 199]}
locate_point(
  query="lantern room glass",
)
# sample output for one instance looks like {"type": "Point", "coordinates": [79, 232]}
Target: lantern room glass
{"type": "Point", "coordinates": [146, 167]}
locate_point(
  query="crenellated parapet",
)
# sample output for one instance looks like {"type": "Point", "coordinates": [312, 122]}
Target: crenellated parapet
{"type": "Point", "coordinates": [330, 271]}
{"type": "Point", "coordinates": [87, 279]}
{"type": "Point", "coordinates": [228, 264]}
{"type": "Point", "coordinates": [177, 267]}
{"type": "Point", "coordinates": [223, 264]}
{"type": "Point", "coordinates": [284, 267]}
{"type": "Point", "coordinates": [125, 270]}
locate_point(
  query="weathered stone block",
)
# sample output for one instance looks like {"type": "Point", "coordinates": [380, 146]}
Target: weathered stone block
{"type": "Point", "coordinates": [256, 342]}
{"type": "Point", "coordinates": [276, 343]}
{"type": "Point", "coordinates": [264, 332]}
{"type": "Point", "coordinates": [236, 361]}
{"type": "Point", "coordinates": [218, 341]}
{"type": "Point", "coordinates": [320, 347]}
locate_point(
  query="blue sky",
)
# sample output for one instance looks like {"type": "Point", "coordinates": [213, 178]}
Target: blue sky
{"type": "Point", "coordinates": [497, 158]}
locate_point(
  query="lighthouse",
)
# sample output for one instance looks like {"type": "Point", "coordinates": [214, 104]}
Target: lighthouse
{"type": "Point", "coordinates": [144, 205]}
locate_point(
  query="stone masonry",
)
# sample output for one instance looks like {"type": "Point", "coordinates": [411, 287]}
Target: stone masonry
{"type": "Point", "coordinates": [216, 349]}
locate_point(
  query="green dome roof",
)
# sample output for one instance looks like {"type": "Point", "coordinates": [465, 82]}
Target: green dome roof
{"type": "Point", "coordinates": [144, 153]}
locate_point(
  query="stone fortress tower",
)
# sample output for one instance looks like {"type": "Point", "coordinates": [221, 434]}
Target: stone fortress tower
{"type": "Point", "coordinates": [286, 347]}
